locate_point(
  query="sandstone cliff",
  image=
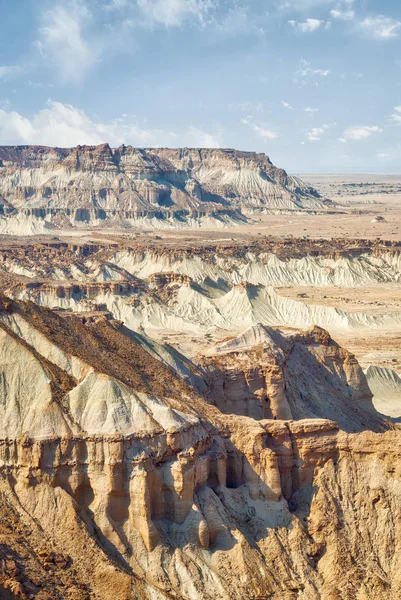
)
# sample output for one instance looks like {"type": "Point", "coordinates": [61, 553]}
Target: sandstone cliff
{"type": "Point", "coordinates": [266, 375]}
{"type": "Point", "coordinates": [119, 480]}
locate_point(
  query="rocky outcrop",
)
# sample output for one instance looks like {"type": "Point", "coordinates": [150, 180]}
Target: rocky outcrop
{"type": "Point", "coordinates": [118, 480]}
{"type": "Point", "coordinates": [96, 183]}
{"type": "Point", "coordinates": [267, 375]}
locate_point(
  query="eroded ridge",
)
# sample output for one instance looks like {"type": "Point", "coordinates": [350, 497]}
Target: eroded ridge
{"type": "Point", "coordinates": [157, 494]}
{"type": "Point", "coordinates": [44, 188]}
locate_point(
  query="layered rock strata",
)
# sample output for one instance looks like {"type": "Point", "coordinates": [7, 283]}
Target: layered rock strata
{"type": "Point", "coordinates": [126, 483]}
{"type": "Point", "coordinates": [60, 186]}
{"type": "Point", "coordinates": [267, 375]}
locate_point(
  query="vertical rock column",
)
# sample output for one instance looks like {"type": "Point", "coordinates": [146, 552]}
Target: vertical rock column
{"type": "Point", "coordinates": [279, 406]}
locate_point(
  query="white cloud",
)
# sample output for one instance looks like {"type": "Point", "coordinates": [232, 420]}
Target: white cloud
{"type": "Point", "coordinates": [286, 105]}
{"type": "Point", "coordinates": [226, 20]}
{"type": "Point", "coordinates": [396, 116]}
{"type": "Point", "coordinates": [260, 129]}
{"type": "Point", "coordinates": [309, 26]}
{"type": "Point", "coordinates": [380, 27]}
{"type": "Point", "coordinates": [264, 133]}
{"type": "Point", "coordinates": [309, 72]}
{"type": "Point", "coordinates": [383, 155]}
{"type": "Point", "coordinates": [173, 13]}
{"type": "Point", "coordinates": [235, 21]}
{"type": "Point", "coordinates": [310, 110]}
{"type": "Point", "coordinates": [61, 40]}
{"type": "Point", "coordinates": [316, 133]}
{"type": "Point", "coordinates": [306, 70]}
{"type": "Point", "coordinates": [346, 14]}
{"type": "Point", "coordinates": [361, 132]}
{"type": "Point", "coordinates": [302, 5]}
{"type": "Point", "coordinates": [15, 129]}
{"type": "Point", "coordinates": [64, 125]}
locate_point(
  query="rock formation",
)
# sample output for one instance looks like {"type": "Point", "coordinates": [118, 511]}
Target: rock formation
{"type": "Point", "coordinates": [119, 479]}
{"type": "Point", "coordinates": [42, 187]}
{"type": "Point", "coordinates": [266, 375]}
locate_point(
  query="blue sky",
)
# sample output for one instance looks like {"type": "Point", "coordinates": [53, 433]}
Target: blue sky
{"type": "Point", "coordinates": [315, 84]}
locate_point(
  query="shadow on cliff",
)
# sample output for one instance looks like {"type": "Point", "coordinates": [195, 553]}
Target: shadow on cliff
{"type": "Point", "coordinates": [313, 390]}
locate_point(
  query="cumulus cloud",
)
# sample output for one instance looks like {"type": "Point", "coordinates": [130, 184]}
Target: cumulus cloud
{"type": "Point", "coordinates": [286, 105]}
{"type": "Point", "coordinates": [342, 15]}
{"type": "Point", "coordinates": [380, 27]}
{"type": "Point", "coordinates": [316, 133]}
{"type": "Point", "coordinates": [361, 132]}
{"type": "Point", "coordinates": [343, 12]}
{"type": "Point", "coordinates": [62, 41]}
{"type": "Point", "coordinates": [310, 110]}
{"type": "Point", "coordinates": [310, 25]}
{"type": "Point", "coordinates": [64, 125]}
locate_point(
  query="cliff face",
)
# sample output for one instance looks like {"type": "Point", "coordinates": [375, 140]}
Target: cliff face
{"type": "Point", "coordinates": [125, 483]}
{"type": "Point", "coordinates": [96, 183]}
{"type": "Point", "coordinates": [266, 375]}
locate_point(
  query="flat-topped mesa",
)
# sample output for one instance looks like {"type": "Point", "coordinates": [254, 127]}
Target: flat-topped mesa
{"type": "Point", "coordinates": [94, 183]}
{"type": "Point", "coordinates": [125, 158]}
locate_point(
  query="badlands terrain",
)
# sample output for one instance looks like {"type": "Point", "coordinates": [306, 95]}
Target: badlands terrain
{"type": "Point", "coordinates": [45, 188]}
{"type": "Point", "coordinates": [200, 379]}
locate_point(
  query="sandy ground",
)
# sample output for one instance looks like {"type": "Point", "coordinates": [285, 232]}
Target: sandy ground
{"type": "Point", "coordinates": [356, 220]}
{"type": "Point", "coordinates": [371, 348]}
{"type": "Point", "coordinates": [376, 299]}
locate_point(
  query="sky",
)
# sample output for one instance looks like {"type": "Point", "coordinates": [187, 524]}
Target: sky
{"type": "Point", "coordinates": [314, 84]}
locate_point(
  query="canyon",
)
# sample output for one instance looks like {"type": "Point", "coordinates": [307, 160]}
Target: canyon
{"type": "Point", "coordinates": [200, 392]}
{"type": "Point", "coordinates": [170, 497]}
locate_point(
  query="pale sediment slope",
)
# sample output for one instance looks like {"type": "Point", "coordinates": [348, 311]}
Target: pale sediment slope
{"type": "Point", "coordinates": [189, 309]}
{"type": "Point", "coordinates": [386, 388]}
{"type": "Point", "coordinates": [268, 269]}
